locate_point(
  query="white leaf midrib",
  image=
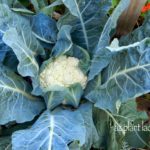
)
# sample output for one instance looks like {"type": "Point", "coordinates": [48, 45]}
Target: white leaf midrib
{"type": "Point", "coordinates": [125, 71]}
{"type": "Point", "coordinates": [17, 90]}
{"type": "Point", "coordinates": [82, 24]}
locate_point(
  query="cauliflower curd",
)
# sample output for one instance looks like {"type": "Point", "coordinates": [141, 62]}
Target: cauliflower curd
{"type": "Point", "coordinates": [62, 72]}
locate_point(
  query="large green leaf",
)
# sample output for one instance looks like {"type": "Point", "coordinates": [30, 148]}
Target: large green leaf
{"type": "Point", "coordinates": [102, 56]}
{"type": "Point", "coordinates": [87, 18]}
{"type": "Point", "coordinates": [53, 130]}
{"type": "Point", "coordinates": [128, 115]}
{"type": "Point", "coordinates": [91, 133]}
{"type": "Point", "coordinates": [64, 41]}
{"type": "Point", "coordinates": [101, 121]}
{"type": "Point", "coordinates": [113, 128]}
{"type": "Point", "coordinates": [45, 30]}
{"type": "Point", "coordinates": [9, 19]}
{"type": "Point", "coordinates": [105, 124]}
{"type": "Point", "coordinates": [18, 35]}
{"type": "Point", "coordinates": [16, 103]}
{"type": "Point", "coordinates": [127, 76]}
{"type": "Point", "coordinates": [28, 65]}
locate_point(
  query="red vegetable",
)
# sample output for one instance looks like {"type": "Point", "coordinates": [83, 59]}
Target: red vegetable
{"type": "Point", "coordinates": [146, 8]}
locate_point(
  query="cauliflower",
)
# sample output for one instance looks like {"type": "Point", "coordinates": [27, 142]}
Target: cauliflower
{"type": "Point", "coordinates": [62, 72]}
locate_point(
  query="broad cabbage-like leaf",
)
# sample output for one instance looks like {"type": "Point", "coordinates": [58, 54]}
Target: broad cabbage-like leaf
{"type": "Point", "coordinates": [28, 65]}
{"type": "Point", "coordinates": [92, 136]}
{"type": "Point", "coordinates": [101, 56]}
{"type": "Point", "coordinates": [68, 96]}
{"type": "Point", "coordinates": [59, 128]}
{"type": "Point", "coordinates": [87, 18]}
{"type": "Point", "coordinates": [18, 35]}
{"type": "Point", "coordinates": [112, 127]}
{"type": "Point", "coordinates": [91, 133]}
{"type": "Point", "coordinates": [127, 76]}
{"type": "Point", "coordinates": [44, 28]}
{"type": "Point", "coordinates": [16, 103]}
{"type": "Point", "coordinates": [138, 139]}
{"type": "Point", "coordinates": [108, 136]}
{"type": "Point", "coordinates": [53, 130]}
{"type": "Point", "coordinates": [64, 41]}
{"type": "Point", "coordinates": [130, 112]}
{"type": "Point", "coordinates": [73, 95]}
{"type": "Point", "coordinates": [82, 54]}
{"type": "Point", "coordinates": [9, 19]}
{"type": "Point", "coordinates": [101, 121]}
{"type": "Point", "coordinates": [128, 115]}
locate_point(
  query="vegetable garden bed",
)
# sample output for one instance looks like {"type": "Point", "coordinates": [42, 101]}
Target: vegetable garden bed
{"type": "Point", "coordinates": [74, 74]}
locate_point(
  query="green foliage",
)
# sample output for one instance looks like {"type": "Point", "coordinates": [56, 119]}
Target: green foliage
{"type": "Point", "coordinates": [98, 113]}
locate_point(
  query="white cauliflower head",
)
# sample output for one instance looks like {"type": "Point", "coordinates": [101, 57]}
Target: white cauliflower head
{"type": "Point", "coordinates": [62, 72]}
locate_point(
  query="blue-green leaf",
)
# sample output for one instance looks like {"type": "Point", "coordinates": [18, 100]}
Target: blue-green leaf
{"type": "Point", "coordinates": [18, 41]}
{"type": "Point", "coordinates": [45, 30]}
{"type": "Point", "coordinates": [111, 126]}
{"type": "Point", "coordinates": [68, 96]}
{"type": "Point", "coordinates": [73, 95]}
{"type": "Point", "coordinates": [16, 103]}
{"type": "Point", "coordinates": [87, 18]}
{"type": "Point", "coordinates": [127, 76]}
{"type": "Point", "coordinates": [91, 133]}
{"type": "Point", "coordinates": [64, 41]}
{"type": "Point", "coordinates": [129, 116]}
{"type": "Point", "coordinates": [53, 130]}
{"type": "Point", "coordinates": [102, 57]}
{"type": "Point", "coordinates": [59, 128]}
{"type": "Point", "coordinates": [18, 35]}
